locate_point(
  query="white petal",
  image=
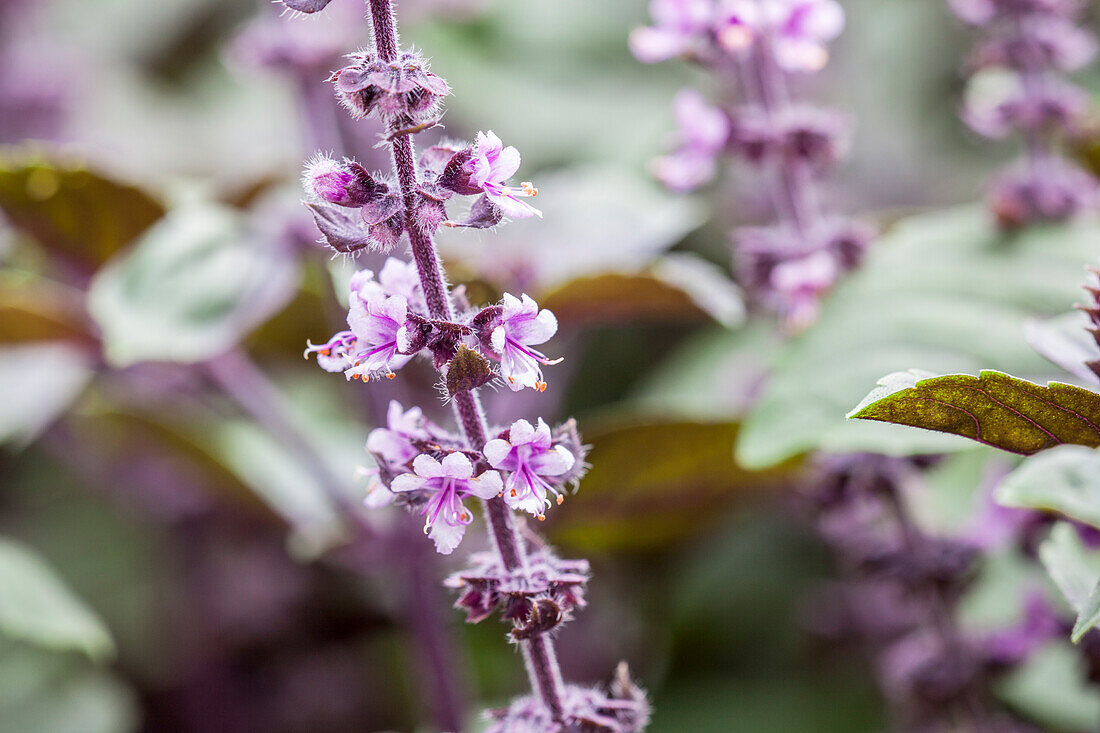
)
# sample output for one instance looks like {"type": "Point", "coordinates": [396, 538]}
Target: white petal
{"type": "Point", "coordinates": [446, 536]}
{"type": "Point", "coordinates": [496, 451]}
{"type": "Point", "coordinates": [486, 486]}
{"type": "Point", "coordinates": [554, 462]}
{"type": "Point", "coordinates": [406, 482]}
{"type": "Point", "coordinates": [427, 467]}
{"type": "Point", "coordinates": [457, 465]}
{"type": "Point", "coordinates": [521, 432]}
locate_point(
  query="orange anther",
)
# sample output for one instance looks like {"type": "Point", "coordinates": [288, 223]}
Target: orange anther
{"type": "Point", "coordinates": [542, 517]}
{"type": "Point", "coordinates": [560, 499]}
{"type": "Point", "coordinates": [464, 516]}
{"type": "Point", "coordinates": [513, 492]}
{"type": "Point", "coordinates": [391, 375]}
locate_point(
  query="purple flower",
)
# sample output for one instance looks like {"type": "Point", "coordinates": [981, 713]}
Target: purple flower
{"type": "Point", "coordinates": [529, 454]}
{"type": "Point", "coordinates": [1048, 189]}
{"type": "Point", "coordinates": [995, 112]}
{"type": "Point", "coordinates": [375, 319]}
{"type": "Point", "coordinates": [394, 443]}
{"type": "Point", "coordinates": [678, 27]}
{"type": "Point", "coordinates": [335, 355]}
{"type": "Point", "coordinates": [448, 483]}
{"type": "Point", "coordinates": [798, 29]}
{"type": "Point", "coordinates": [702, 133]}
{"type": "Point", "coordinates": [398, 277]}
{"type": "Point", "coordinates": [490, 165]}
{"type": "Point", "coordinates": [521, 326]}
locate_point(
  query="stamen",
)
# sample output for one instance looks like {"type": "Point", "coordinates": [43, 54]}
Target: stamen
{"type": "Point", "coordinates": [540, 386]}
{"type": "Point", "coordinates": [513, 492]}
{"type": "Point", "coordinates": [391, 375]}
{"type": "Point", "coordinates": [542, 517]}
{"type": "Point", "coordinates": [560, 499]}
{"type": "Point", "coordinates": [464, 516]}
{"type": "Point", "coordinates": [528, 188]}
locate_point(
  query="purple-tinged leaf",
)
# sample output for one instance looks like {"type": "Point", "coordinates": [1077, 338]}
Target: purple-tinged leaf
{"type": "Point", "coordinates": [306, 6]}
{"type": "Point", "coordinates": [1064, 341]}
{"type": "Point", "coordinates": [993, 408]}
{"type": "Point", "coordinates": [343, 230]}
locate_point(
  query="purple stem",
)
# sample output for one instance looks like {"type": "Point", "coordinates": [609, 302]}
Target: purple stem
{"type": "Point", "coordinates": [538, 652]}
{"type": "Point", "coordinates": [793, 189]}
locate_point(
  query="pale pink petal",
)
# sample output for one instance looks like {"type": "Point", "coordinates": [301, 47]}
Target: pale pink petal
{"type": "Point", "coordinates": [485, 486]}
{"type": "Point", "coordinates": [496, 451]}
{"type": "Point", "coordinates": [554, 462]}
{"type": "Point", "coordinates": [445, 535]}
{"type": "Point", "coordinates": [521, 432]}
{"type": "Point", "coordinates": [406, 482]}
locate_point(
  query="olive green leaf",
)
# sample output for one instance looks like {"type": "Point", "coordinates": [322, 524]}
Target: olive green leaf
{"type": "Point", "coordinates": [993, 408]}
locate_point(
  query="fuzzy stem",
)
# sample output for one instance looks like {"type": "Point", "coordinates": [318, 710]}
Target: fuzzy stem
{"type": "Point", "coordinates": [542, 663]}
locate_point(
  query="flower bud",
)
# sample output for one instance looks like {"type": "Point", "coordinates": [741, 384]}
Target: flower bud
{"type": "Point", "coordinates": [403, 87]}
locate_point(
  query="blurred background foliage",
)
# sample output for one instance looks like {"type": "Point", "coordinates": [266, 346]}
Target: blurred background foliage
{"type": "Point", "coordinates": [174, 475]}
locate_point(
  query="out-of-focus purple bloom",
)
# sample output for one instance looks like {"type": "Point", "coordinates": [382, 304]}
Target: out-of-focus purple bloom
{"type": "Point", "coordinates": [531, 458]}
{"type": "Point", "coordinates": [1053, 107]}
{"type": "Point", "coordinates": [1040, 44]}
{"type": "Point", "coordinates": [519, 326]}
{"type": "Point", "coordinates": [490, 166]}
{"type": "Point", "coordinates": [447, 483]}
{"type": "Point", "coordinates": [678, 28]}
{"type": "Point", "coordinates": [702, 133]}
{"type": "Point", "coordinates": [1047, 189]}
{"type": "Point", "coordinates": [811, 135]}
{"type": "Point", "coordinates": [1014, 645]}
{"type": "Point", "coordinates": [800, 285]}
{"type": "Point", "coordinates": [798, 30]}
{"type": "Point", "coordinates": [398, 277]}
{"type": "Point", "coordinates": [980, 12]}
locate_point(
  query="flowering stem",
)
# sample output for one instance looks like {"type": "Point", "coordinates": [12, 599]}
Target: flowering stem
{"type": "Point", "coordinates": [538, 651]}
{"type": "Point", "coordinates": [793, 193]}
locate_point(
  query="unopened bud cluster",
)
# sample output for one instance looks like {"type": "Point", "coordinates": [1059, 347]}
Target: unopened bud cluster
{"type": "Point", "coordinates": [788, 266]}
{"type": "Point", "coordinates": [1017, 87]}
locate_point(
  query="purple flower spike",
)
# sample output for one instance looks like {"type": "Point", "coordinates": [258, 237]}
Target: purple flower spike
{"type": "Point", "coordinates": [490, 166]}
{"type": "Point", "coordinates": [521, 326]}
{"type": "Point", "coordinates": [530, 456]}
{"type": "Point", "coordinates": [390, 88]}
{"type": "Point", "coordinates": [678, 27]}
{"type": "Point", "coordinates": [376, 319]}
{"type": "Point", "coordinates": [449, 483]}
{"type": "Point", "coordinates": [703, 132]}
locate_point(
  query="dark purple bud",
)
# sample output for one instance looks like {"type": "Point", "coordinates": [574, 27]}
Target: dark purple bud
{"type": "Point", "coordinates": [753, 135]}
{"type": "Point", "coordinates": [385, 220]}
{"type": "Point", "coordinates": [403, 87]}
{"type": "Point", "coordinates": [467, 370]}
{"type": "Point", "coordinates": [542, 616]}
{"type": "Point", "coordinates": [347, 184]}
{"type": "Point", "coordinates": [306, 6]}
{"type": "Point", "coordinates": [483, 215]}
{"type": "Point", "coordinates": [430, 213]}
{"type": "Point", "coordinates": [456, 174]}
{"type": "Point", "coordinates": [343, 230]}
{"type": "Point", "coordinates": [812, 136]}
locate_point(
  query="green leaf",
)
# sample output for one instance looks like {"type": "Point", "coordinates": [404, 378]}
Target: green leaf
{"type": "Point", "coordinates": [993, 408]}
{"type": "Point", "coordinates": [943, 292]}
{"type": "Point", "coordinates": [1088, 617]}
{"type": "Point", "coordinates": [75, 212]}
{"type": "Point", "coordinates": [1051, 688]}
{"type": "Point", "coordinates": [41, 380]}
{"type": "Point", "coordinates": [687, 481]}
{"type": "Point", "coordinates": [1065, 480]}
{"type": "Point", "coordinates": [1072, 566]}
{"type": "Point", "coordinates": [48, 692]}
{"type": "Point", "coordinates": [191, 289]}
{"type": "Point", "coordinates": [37, 607]}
